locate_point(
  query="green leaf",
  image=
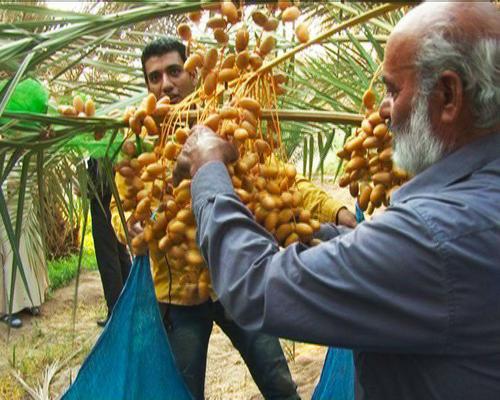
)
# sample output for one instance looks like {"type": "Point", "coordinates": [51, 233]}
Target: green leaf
{"type": "Point", "coordinates": [362, 51]}
{"type": "Point", "coordinates": [43, 10]}
{"type": "Point", "coordinates": [11, 86]}
{"type": "Point", "coordinates": [14, 158]}
{"type": "Point", "coordinates": [80, 255]}
{"type": "Point", "coordinates": [374, 42]}
{"type": "Point", "coordinates": [17, 234]}
{"type": "Point", "coordinates": [326, 148]}
{"type": "Point", "coordinates": [116, 195]}
{"type": "Point", "coordinates": [41, 195]}
{"type": "Point", "coordinates": [91, 46]}
{"type": "Point", "coordinates": [10, 234]}
{"type": "Point", "coordinates": [311, 156]}
{"type": "Point", "coordinates": [304, 157]}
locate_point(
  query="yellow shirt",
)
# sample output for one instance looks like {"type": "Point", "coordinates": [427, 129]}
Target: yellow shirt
{"type": "Point", "coordinates": [184, 279]}
{"type": "Point", "coordinates": [177, 283]}
{"type": "Point", "coordinates": [322, 207]}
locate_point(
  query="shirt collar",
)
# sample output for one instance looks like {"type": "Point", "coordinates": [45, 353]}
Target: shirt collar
{"type": "Point", "coordinates": [451, 168]}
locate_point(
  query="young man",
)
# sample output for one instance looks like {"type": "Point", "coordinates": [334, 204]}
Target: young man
{"type": "Point", "coordinates": [414, 291]}
{"type": "Point", "coordinates": [189, 320]}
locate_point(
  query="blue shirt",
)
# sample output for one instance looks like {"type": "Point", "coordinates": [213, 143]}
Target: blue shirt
{"type": "Point", "coordinates": [415, 292]}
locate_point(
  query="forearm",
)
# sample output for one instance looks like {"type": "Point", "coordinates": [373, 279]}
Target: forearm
{"type": "Point", "coordinates": [322, 206]}
{"type": "Point", "coordinates": [220, 245]}
{"type": "Point", "coordinates": [259, 285]}
{"type": "Point", "coordinates": [351, 291]}
{"type": "Point", "coordinates": [328, 231]}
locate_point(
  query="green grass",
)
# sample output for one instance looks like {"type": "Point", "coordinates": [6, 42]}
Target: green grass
{"type": "Point", "coordinates": [63, 270]}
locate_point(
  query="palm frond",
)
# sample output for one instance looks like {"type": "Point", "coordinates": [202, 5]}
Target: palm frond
{"type": "Point", "coordinates": [335, 76]}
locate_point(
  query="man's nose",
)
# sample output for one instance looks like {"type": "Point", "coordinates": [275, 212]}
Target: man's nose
{"type": "Point", "coordinates": [166, 84]}
{"type": "Point", "coordinates": [385, 108]}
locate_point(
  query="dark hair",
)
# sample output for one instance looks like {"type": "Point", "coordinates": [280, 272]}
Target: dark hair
{"type": "Point", "coordinates": [161, 46]}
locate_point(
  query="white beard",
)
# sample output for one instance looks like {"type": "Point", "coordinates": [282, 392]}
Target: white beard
{"type": "Point", "coordinates": [415, 146]}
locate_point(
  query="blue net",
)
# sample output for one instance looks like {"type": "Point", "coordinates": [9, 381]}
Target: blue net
{"type": "Point", "coordinates": [360, 217]}
{"type": "Point", "coordinates": [337, 378]}
{"type": "Point", "coordinates": [132, 359]}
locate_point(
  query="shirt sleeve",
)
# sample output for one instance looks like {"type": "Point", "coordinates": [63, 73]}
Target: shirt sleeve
{"type": "Point", "coordinates": [322, 206]}
{"type": "Point", "coordinates": [116, 221]}
{"type": "Point", "coordinates": [379, 287]}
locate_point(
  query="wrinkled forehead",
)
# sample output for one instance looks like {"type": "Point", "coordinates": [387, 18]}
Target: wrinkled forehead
{"type": "Point", "coordinates": [407, 36]}
{"type": "Point", "coordinates": [400, 53]}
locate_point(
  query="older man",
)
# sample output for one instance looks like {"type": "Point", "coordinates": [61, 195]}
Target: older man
{"type": "Point", "coordinates": [415, 292]}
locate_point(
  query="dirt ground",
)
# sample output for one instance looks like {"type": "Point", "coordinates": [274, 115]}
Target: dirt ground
{"type": "Point", "coordinates": [46, 346]}
{"type": "Point", "coordinates": [48, 338]}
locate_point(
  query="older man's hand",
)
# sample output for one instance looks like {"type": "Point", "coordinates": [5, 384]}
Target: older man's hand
{"type": "Point", "coordinates": [202, 146]}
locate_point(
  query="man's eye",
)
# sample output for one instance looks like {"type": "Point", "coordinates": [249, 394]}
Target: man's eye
{"type": "Point", "coordinates": [391, 92]}
{"type": "Point", "coordinates": [154, 78]}
{"type": "Point", "coordinates": [175, 72]}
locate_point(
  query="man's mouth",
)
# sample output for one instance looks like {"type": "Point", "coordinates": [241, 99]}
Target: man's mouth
{"type": "Point", "coordinates": [174, 99]}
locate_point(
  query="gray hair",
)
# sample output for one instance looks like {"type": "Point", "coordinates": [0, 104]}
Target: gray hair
{"type": "Point", "coordinates": [415, 146]}
{"type": "Point", "coordinates": [478, 64]}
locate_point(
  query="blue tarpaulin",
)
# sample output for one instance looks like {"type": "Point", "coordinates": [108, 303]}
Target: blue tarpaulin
{"type": "Point", "coordinates": [132, 359]}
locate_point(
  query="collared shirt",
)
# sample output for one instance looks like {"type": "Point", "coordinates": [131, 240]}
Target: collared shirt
{"type": "Point", "coordinates": [415, 292]}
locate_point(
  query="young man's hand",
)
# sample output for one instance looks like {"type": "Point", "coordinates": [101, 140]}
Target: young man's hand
{"type": "Point", "coordinates": [201, 147]}
{"type": "Point", "coordinates": [134, 228]}
{"type": "Point", "coordinates": [346, 218]}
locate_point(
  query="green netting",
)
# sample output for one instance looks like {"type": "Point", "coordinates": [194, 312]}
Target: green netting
{"type": "Point", "coordinates": [29, 96]}
{"type": "Point", "coordinates": [86, 144]}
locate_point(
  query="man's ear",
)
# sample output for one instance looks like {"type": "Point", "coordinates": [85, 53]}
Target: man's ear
{"type": "Point", "coordinates": [450, 92]}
